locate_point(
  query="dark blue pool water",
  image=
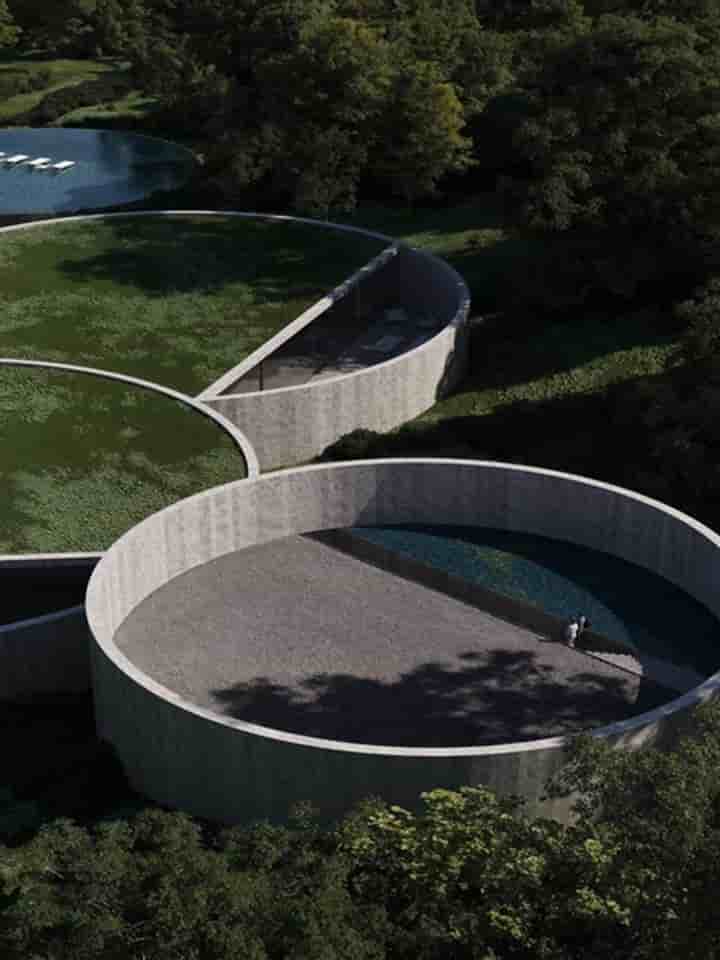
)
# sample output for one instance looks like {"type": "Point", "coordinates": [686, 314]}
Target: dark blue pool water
{"type": "Point", "coordinates": [623, 601]}
{"type": "Point", "coordinates": [110, 169]}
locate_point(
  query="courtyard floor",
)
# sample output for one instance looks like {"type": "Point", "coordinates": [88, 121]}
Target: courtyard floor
{"type": "Point", "coordinates": [297, 636]}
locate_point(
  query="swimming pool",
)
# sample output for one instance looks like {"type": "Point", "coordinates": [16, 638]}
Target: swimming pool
{"type": "Point", "coordinates": [623, 601]}
{"type": "Point", "coordinates": [110, 169]}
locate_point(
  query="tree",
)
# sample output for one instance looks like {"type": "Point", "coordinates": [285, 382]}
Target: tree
{"type": "Point", "coordinates": [661, 809]}
{"type": "Point", "coordinates": [421, 134]}
{"type": "Point", "coordinates": [120, 28]}
{"type": "Point", "coordinates": [326, 119]}
{"type": "Point", "coordinates": [64, 28]}
{"type": "Point", "coordinates": [9, 30]}
{"type": "Point", "coordinates": [618, 150]}
{"type": "Point", "coordinates": [623, 128]}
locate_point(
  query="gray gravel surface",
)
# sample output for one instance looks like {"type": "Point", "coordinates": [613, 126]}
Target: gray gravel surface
{"type": "Point", "coordinates": [300, 637]}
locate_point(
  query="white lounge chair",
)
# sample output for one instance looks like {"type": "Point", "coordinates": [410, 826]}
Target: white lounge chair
{"type": "Point", "coordinates": [63, 165]}
{"type": "Point", "coordinates": [17, 158]}
{"type": "Point", "coordinates": [39, 162]}
{"type": "Point", "coordinates": [41, 166]}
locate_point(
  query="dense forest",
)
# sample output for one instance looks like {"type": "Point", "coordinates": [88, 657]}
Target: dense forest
{"type": "Point", "coordinates": [468, 876]}
{"type": "Point", "coordinates": [596, 123]}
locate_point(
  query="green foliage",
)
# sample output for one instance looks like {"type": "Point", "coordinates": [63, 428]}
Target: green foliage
{"type": "Point", "coordinates": [14, 83]}
{"type": "Point", "coordinates": [119, 27]}
{"type": "Point", "coordinates": [59, 102]}
{"type": "Point", "coordinates": [701, 342]}
{"type": "Point", "coordinates": [623, 127]}
{"type": "Point", "coordinates": [421, 134]}
{"type": "Point", "coordinates": [466, 875]}
{"type": "Point", "coordinates": [9, 30]}
{"type": "Point", "coordinates": [62, 29]}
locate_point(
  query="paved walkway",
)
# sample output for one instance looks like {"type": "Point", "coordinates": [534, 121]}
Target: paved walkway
{"type": "Point", "coordinates": [670, 676]}
{"type": "Point", "coordinates": [297, 636]}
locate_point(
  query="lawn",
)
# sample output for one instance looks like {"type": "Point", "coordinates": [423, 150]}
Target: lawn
{"type": "Point", "coordinates": [177, 300]}
{"type": "Point", "coordinates": [134, 106]}
{"type": "Point", "coordinates": [521, 385]}
{"type": "Point", "coordinates": [86, 458]}
{"type": "Point", "coordinates": [474, 236]}
{"type": "Point", "coordinates": [64, 73]}
{"type": "Point", "coordinates": [562, 361]}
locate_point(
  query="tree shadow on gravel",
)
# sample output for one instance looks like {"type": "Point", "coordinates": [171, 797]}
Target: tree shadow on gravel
{"type": "Point", "coordinates": [494, 697]}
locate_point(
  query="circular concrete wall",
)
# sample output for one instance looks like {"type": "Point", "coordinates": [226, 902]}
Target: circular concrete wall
{"type": "Point", "coordinates": [294, 424]}
{"type": "Point", "coordinates": [223, 769]}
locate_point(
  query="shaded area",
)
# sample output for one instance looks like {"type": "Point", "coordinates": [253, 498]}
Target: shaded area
{"type": "Point", "coordinates": [327, 348]}
{"type": "Point", "coordinates": [492, 697]}
{"type": "Point", "coordinates": [294, 635]}
{"type": "Point", "coordinates": [35, 591]}
{"type": "Point", "coordinates": [54, 766]}
{"type": "Point", "coordinates": [84, 458]}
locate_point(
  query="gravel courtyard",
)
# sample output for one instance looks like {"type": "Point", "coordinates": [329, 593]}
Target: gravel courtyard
{"type": "Point", "coordinates": [297, 636]}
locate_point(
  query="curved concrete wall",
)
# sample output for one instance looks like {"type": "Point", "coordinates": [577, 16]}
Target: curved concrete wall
{"type": "Point", "coordinates": [294, 424]}
{"type": "Point", "coordinates": [47, 654]}
{"type": "Point", "coordinates": [348, 289]}
{"type": "Point", "coordinates": [226, 770]}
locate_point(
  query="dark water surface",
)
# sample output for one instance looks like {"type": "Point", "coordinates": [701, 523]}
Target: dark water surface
{"type": "Point", "coordinates": [623, 601]}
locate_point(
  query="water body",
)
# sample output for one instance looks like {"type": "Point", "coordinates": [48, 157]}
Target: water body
{"type": "Point", "coordinates": [110, 169]}
{"type": "Point", "coordinates": [623, 601]}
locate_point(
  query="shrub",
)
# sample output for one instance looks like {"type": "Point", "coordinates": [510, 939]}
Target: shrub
{"type": "Point", "coordinates": [14, 83]}
{"type": "Point", "coordinates": [87, 94]}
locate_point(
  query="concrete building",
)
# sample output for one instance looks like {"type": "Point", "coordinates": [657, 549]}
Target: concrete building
{"type": "Point", "coordinates": [185, 754]}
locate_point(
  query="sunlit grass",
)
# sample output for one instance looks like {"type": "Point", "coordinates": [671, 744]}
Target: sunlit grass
{"type": "Point", "coordinates": [64, 73]}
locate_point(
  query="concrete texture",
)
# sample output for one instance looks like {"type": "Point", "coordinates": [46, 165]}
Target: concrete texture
{"type": "Point", "coordinates": [296, 636]}
{"type": "Point", "coordinates": [293, 424]}
{"type": "Point", "coordinates": [230, 770]}
{"type": "Point", "coordinates": [328, 348]}
{"type": "Point", "coordinates": [47, 654]}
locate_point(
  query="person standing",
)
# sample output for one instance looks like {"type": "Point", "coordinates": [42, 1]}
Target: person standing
{"type": "Point", "coordinates": [572, 628]}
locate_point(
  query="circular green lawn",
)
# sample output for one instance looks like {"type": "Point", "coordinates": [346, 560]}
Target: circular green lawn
{"type": "Point", "coordinates": [83, 458]}
{"type": "Point", "coordinates": [177, 300]}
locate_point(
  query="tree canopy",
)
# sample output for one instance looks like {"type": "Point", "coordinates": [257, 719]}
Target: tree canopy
{"type": "Point", "coordinates": [466, 874]}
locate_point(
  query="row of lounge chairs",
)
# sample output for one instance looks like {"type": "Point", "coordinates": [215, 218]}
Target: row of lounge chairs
{"type": "Point", "coordinates": [41, 163]}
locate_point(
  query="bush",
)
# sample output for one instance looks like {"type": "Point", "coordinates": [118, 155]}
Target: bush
{"type": "Point", "coordinates": [14, 83]}
{"type": "Point", "coordinates": [88, 94]}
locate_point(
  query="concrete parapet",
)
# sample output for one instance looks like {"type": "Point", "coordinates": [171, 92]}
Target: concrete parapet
{"type": "Point", "coordinates": [227, 770]}
{"type": "Point", "coordinates": [294, 424]}
{"type": "Point", "coordinates": [351, 291]}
